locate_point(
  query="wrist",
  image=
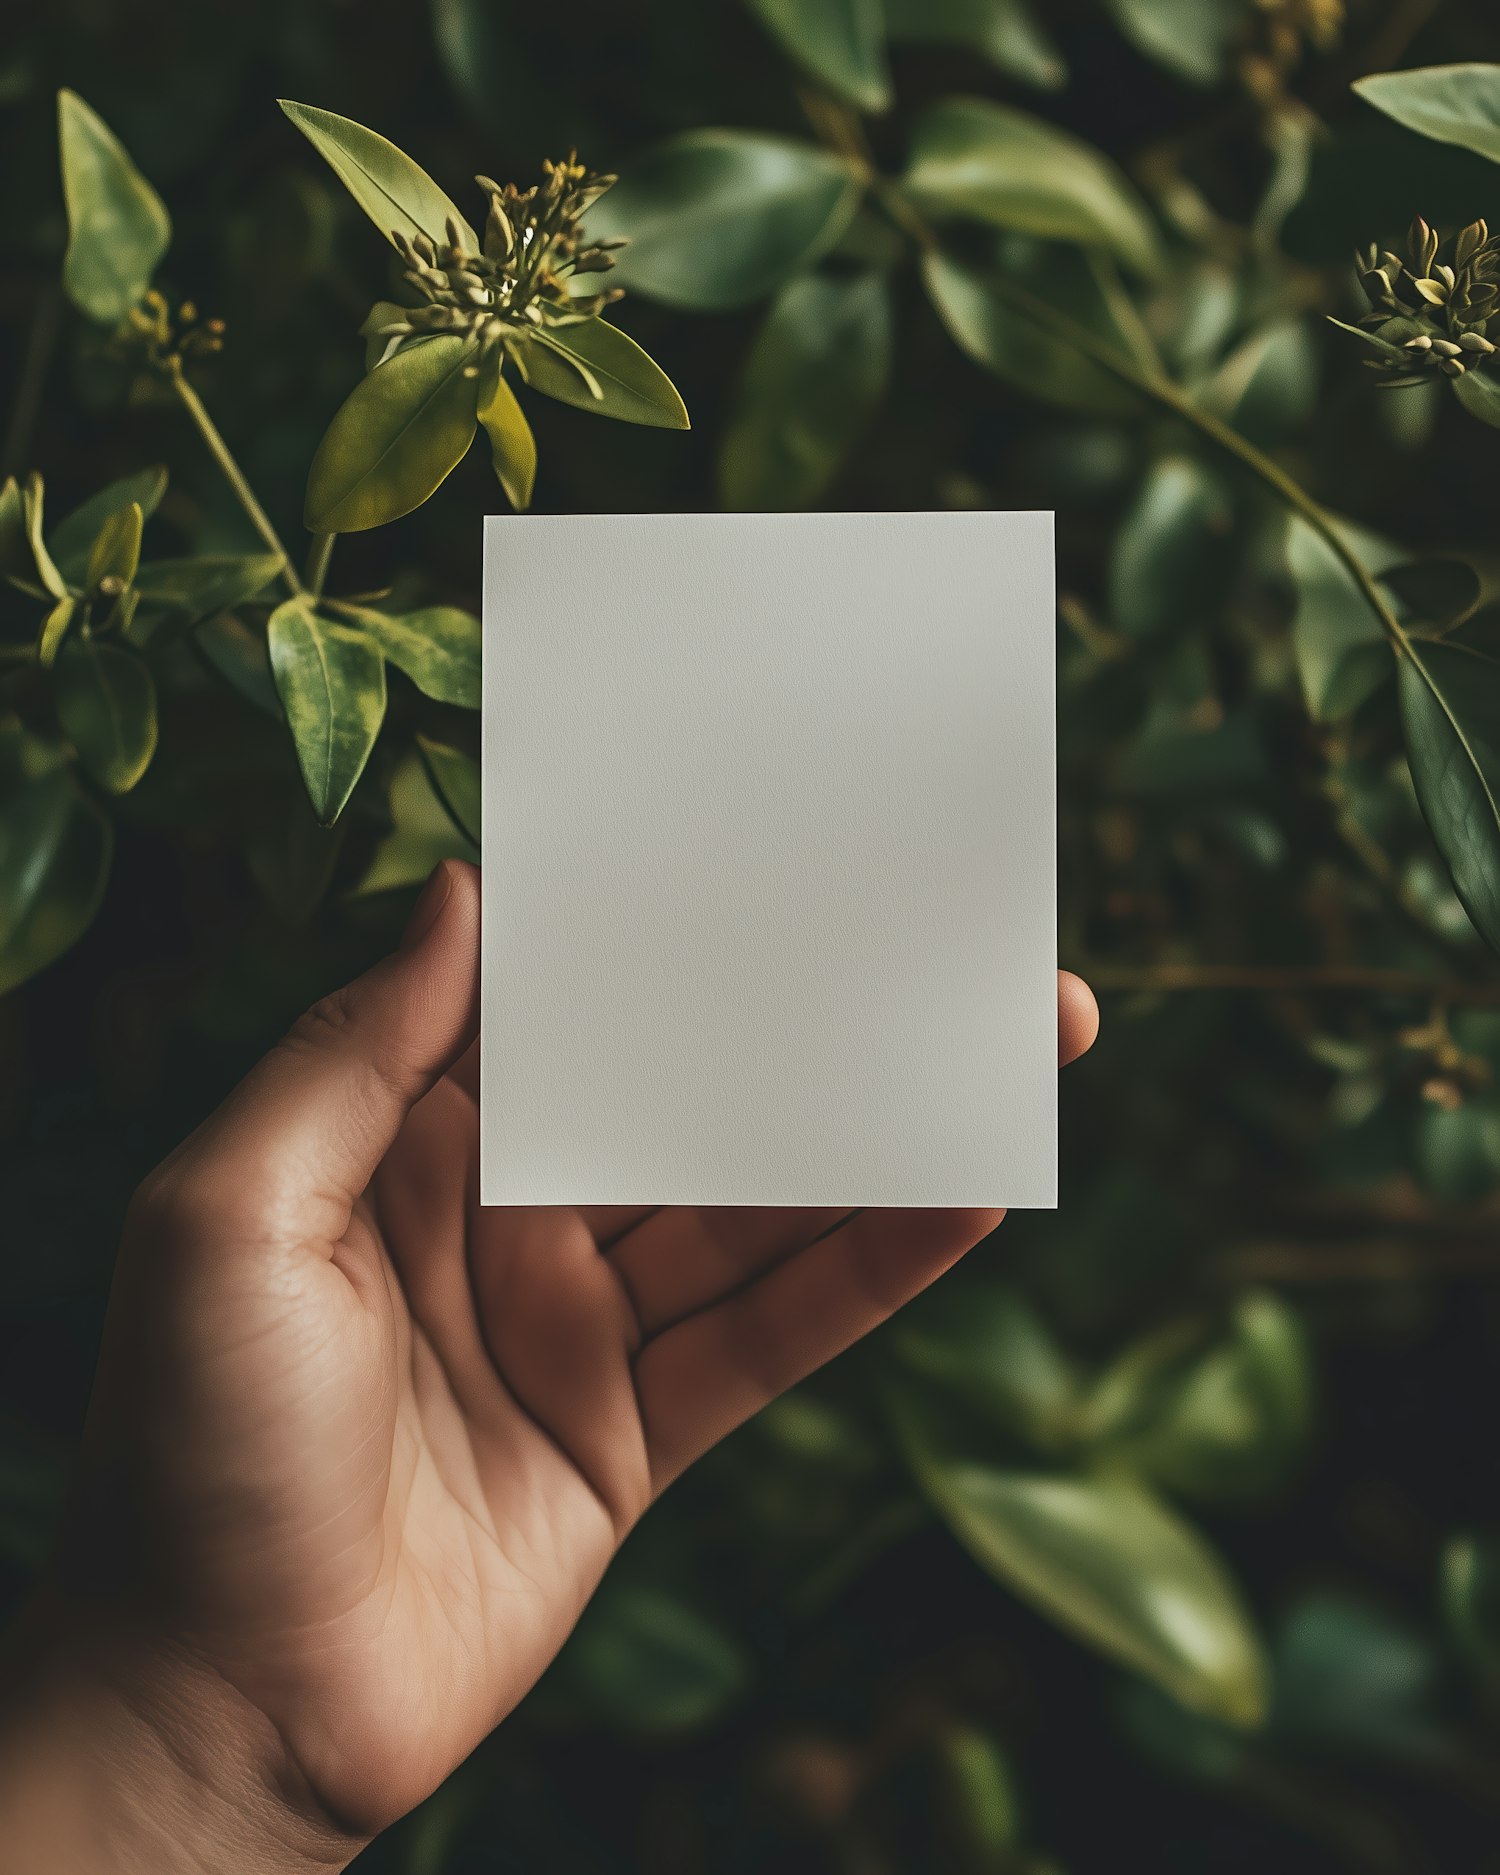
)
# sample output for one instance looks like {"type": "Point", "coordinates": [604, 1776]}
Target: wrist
{"type": "Point", "coordinates": [126, 1757]}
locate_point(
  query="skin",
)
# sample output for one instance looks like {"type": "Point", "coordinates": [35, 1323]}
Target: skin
{"type": "Point", "coordinates": [360, 1450]}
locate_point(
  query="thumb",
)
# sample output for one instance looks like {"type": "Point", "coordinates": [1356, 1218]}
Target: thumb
{"type": "Point", "coordinates": [300, 1138]}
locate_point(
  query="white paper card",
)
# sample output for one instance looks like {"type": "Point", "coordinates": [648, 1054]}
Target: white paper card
{"type": "Point", "coordinates": [769, 860]}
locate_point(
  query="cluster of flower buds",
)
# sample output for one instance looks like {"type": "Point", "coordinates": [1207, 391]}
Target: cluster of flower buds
{"type": "Point", "coordinates": [1430, 312]}
{"type": "Point", "coordinates": [167, 338]}
{"type": "Point", "coordinates": [533, 248]}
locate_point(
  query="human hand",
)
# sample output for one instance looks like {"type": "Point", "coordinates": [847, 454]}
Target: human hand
{"type": "Point", "coordinates": [360, 1449]}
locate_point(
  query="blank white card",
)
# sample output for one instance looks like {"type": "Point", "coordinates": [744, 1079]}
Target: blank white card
{"type": "Point", "coordinates": [769, 860]}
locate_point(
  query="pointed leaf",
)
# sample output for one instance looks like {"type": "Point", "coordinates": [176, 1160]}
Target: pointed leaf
{"type": "Point", "coordinates": [632, 387]}
{"type": "Point", "coordinates": [118, 228]}
{"type": "Point", "coordinates": [512, 445]}
{"type": "Point", "coordinates": [812, 382]}
{"type": "Point", "coordinates": [455, 780]}
{"type": "Point", "coordinates": [73, 537]}
{"type": "Point", "coordinates": [55, 848]}
{"type": "Point", "coordinates": [1106, 1560]}
{"type": "Point", "coordinates": [1003, 30]}
{"type": "Point", "coordinates": [840, 42]}
{"type": "Point", "coordinates": [55, 628]}
{"type": "Point", "coordinates": [1449, 103]}
{"type": "Point", "coordinates": [393, 191]}
{"type": "Point", "coordinates": [332, 686]}
{"type": "Point", "coordinates": [117, 552]}
{"type": "Point", "coordinates": [106, 704]}
{"type": "Point", "coordinates": [46, 571]}
{"type": "Point", "coordinates": [1450, 713]}
{"type": "Point", "coordinates": [1479, 393]}
{"type": "Point", "coordinates": [718, 217]}
{"type": "Point", "coordinates": [195, 589]}
{"type": "Point", "coordinates": [437, 647]}
{"type": "Point", "coordinates": [986, 161]}
{"type": "Point", "coordinates": [1192, 38]}
{"type": "Point", "coordinates": [401, 431]}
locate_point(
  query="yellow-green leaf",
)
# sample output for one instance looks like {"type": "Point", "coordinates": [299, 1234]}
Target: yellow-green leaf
{"type": "Point", "coordinates": [55, 628]}
{"type": "Point", "coordinates": [116, 552]}
{"type": "Point", "coordinates": [991, 163]}
{"type": "Point", "coordinates": [437, 647]}
{"type": "Point", "coordinates": [401, 431]}
{"type": "Point", "coordinates": [394, 192]}
{"type": "Point", "coordinates": [576, 361]}
{"type": "Point", "coordinates": [74, 536]}
{"type": "Point", "coordinates": [181, 592]}
{"type": "Point", "coordinates": [331, 682]}
{"type": "Point", "coordinates": [512, 445]}
{"type": "Point", "coordinates": [46, 571]}
{"type": "Point", "coordinates": [455, 781]}
{"type": "Point", "coordinates": [118, 228]}
{"type": "Point", "coordinates": [106, 704]}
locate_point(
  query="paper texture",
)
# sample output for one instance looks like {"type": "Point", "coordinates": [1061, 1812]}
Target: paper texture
{"type": "Point", "coordinates": [769, 860]}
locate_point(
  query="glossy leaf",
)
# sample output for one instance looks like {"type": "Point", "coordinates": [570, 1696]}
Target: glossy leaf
{"type": "Point", "coordinates": [1103, 1558]}
{"type": "Point", "coordinates": [1341, 652]}
{"type": "Point", "coordinates": [401, 431]}
{"type": "Point", "coordinates": [1449, 103]}
{"type": "Point", "coordinates": [840, 42]}
{"type": "Point", "coordinates": [331, 682]}
{"type": "Point", "coordinates": [1450, 715]}
{"type": "Point", "coordinates": [437, 647]}
{"type": "Point", "coordinates": [1005, 31]}
{"type": "Point", "coordinates": [195, 589]}
{"type": "Point", "coordinates": [991, 163]}
{"type": "Point", "coordinates": [455, 780]}
{"type": "Point", "coordinates": [810, 388]}
{"type": "Point", "coordinates": [55, 848]}
{"type": "Point", "coordinates": [718, 217]}
{"type": "Point", "coordinates": [394, 192]}
{"type": "Point", "coordinates": [512, 445]}
{"type": "Point", "coordinates": [1169, 561]}
{"type": "Point", "coordinates": [118, 228]}
{"type": "Point", "coordinates": [116, 553]}
{"type": "Point", "coordinates": [1192, 38]}
{"type": "Point", "coordinates": [599, 368]}
{"type": "Point", "coordinates": [73, 538]}
{"type": "Point", "coordinates": [106, 706]}
{"type": "Point", "coordinates": [56, 626]}
{"type": "Point", "coordinates": [1021, 349]}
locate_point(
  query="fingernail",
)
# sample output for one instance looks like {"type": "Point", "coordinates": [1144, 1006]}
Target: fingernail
{"type": "Point", "coordinates": [425, 912]}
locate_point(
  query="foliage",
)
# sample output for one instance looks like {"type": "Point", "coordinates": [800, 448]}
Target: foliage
{"type": "Point", "coordinates": [1171, 1500]}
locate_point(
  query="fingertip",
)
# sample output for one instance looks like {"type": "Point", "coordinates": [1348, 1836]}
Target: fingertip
{"type": "Point", "coordinates": [1077, 1017]}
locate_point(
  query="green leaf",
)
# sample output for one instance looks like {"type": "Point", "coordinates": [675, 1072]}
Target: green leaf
{"type": "Point", "coordinates": [1104, 1559]}
{"type": "Point", "coordinates": [422, 833]}
{"type": "Point", "coordinates": [401, 431]}
{"type": "Point", "coordinates": [437, 647]}
{"type": "Point", "coordinates": [1003, 30]}
{"type": "Point", "coordinates": [72, 538]}
{"type": "Point", "coordinates": [1267, 387]}
{"type": "Point", "coordinates": [814, 377]}
{"type": "Point", "coordinates": [1341, 653]}
{"type": "Point", "coordinates": [16, 558]}
{"type": "Point", "coordinates": [1022, 349]}
{"type": "Point", "coordinates": [512, 445]}
{"type": "Point", "coordinates": [55, 629]}
{"type": "Point", "coordinates": [631, 386]}
{"type": "Point", "coordinates": [118, 228]}
{"type": "Point", "coordinates": [840, 42]}
{"type": "Point", "coordinates": [990, 163]}
{"type": "Point", "coordinates": [1352, 1679]}
{"type": "Point", "coordinates": [1450, 714]}
{"type": "Point", "coordinates": [394, 192]}
{"type": "Point", "coordinates": [1192, 38]}
{"type": "Point", "coordinates": [195, 589]}
{"type": "Point", "coordinates": [1471, 1598]}
{"type": "Point", "coordinates": [1449, 103]}
{"type": "Point", "coordinates": [55, 848]}
{"type": "Point", "coordinates": [1170, 559]}
{"type": "Point", "coordinates": [719, 217]}
{"type": "Point", "coordinates": [642, 1660]}
{"type": "Point", "coordinates": [1479, 393]}
{"type": "Point", "coordinates": [117, 552]}
{"type": "Point", "coordinates": [1458, 1149]}
{"type": "Point", "coordinates": [32, 503]}
{"type": "Point", "coordinates": [106, 704]}
{"type": "Point", "coordinates": [455, 781]}
{"type": "Point", "coordinates": [332, 686]}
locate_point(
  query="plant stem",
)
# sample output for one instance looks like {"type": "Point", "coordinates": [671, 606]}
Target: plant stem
{"type": "Point", "coordinates": [233, 473]}
{"type": "Point", "coordinates": [315, 572]}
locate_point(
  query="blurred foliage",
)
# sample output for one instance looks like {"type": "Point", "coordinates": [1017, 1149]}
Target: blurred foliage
{"type": "Point", "coordinates": [1162, 1533]}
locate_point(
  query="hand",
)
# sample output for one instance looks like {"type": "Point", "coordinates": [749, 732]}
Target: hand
{"type": "Point", "coordinates": [361, 1450]}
